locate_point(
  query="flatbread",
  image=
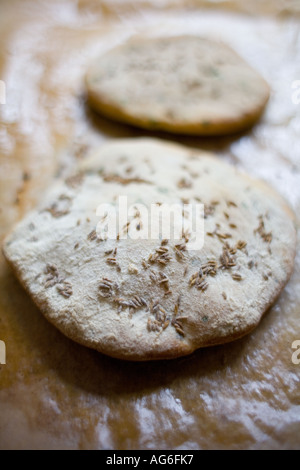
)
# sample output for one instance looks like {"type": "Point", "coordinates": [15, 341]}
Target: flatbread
{"type": "Point", "coordinates": [142, 299]}
{"type": "Point", "coordinates": [183, 84]}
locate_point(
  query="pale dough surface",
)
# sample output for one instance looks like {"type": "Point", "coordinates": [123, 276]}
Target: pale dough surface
{"type": "Point", "coordinates": [148, 299]}
{"type": "Point", "coordinates": [184, 84]}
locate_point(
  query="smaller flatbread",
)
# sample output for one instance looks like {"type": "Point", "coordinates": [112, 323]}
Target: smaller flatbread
{"type": "Point", "coordinates": [183, 84]}
{"type": "Point", "coordinates": [154, 298]}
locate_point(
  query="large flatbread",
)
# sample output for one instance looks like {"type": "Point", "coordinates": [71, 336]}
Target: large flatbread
{"type": "Point", "coordinates": [156, 298]}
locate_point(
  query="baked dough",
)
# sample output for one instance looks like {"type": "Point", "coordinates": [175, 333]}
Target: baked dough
{"type": "Point", "coordinates": [183, 84]}
{"type": "Point", "coordinates": [143, 299]}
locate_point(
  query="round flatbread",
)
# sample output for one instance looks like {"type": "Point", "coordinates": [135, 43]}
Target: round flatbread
{"type": "Point", "coordinates": [180, 84]}
{"type": "Point", "coordinates": [154, 297]}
